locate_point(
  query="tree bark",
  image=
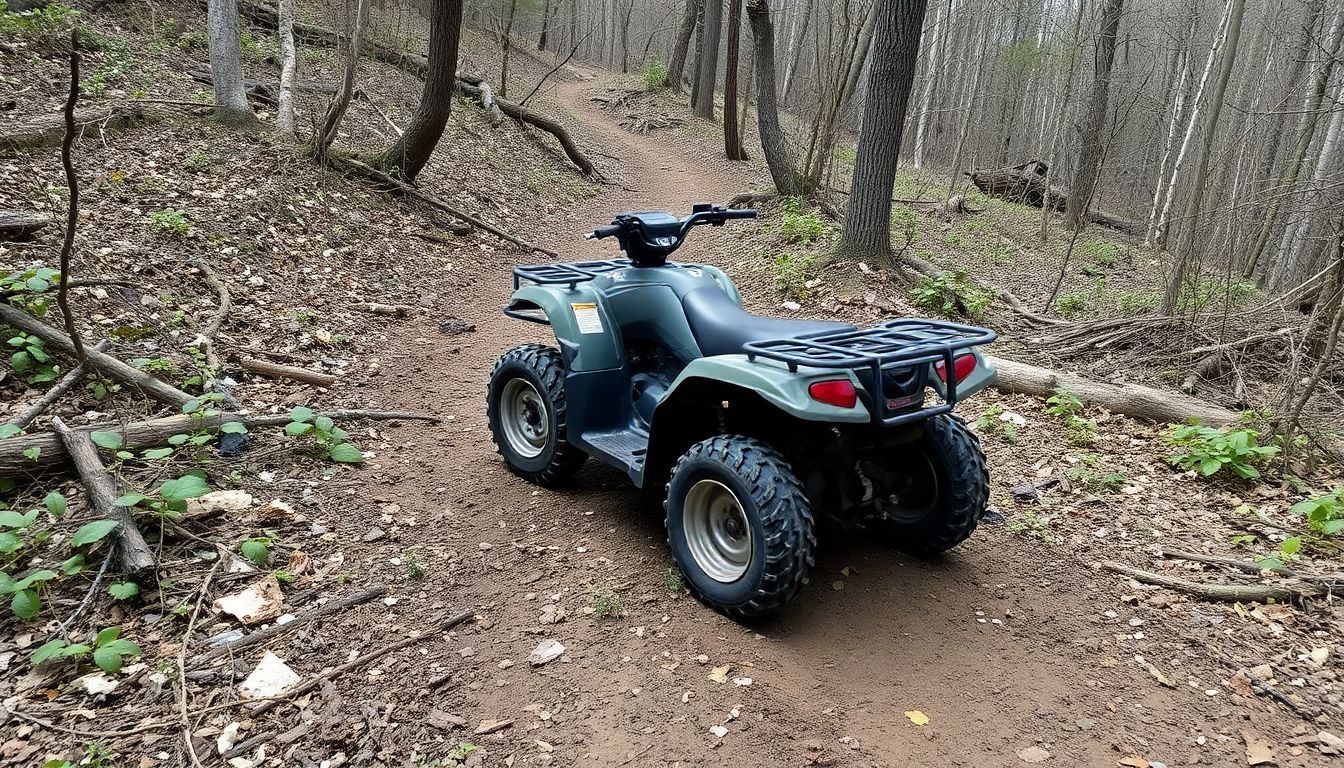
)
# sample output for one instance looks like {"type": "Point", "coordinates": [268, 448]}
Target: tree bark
{"type": "Point", "coordinates": [732, 140]}
{"type": "Point", "coordinates": [782, 170]}
{"type": "Point", "coordinates": [545, 24]}
{"type": "Point", "coordinates": [867, 231]}
{"type": "Point", "coordinates": [409, 155]}
{"type": "Point", "coordinates": [1091, 149]}
{"type": "Point", "coordinates": [677, 62]}
{"type": "Point", "coordinates": [941, 22]}
{"type": "Point", "coordinates": [289, 71]}
{"type": "Point", "coordinates": [709, 59]}
{"type": "Point", "coordinates": [506, 47]}
{"type": "Point", "coordinates": [795, 44]}
{"type": "Point", "coordinates": [226, 63]}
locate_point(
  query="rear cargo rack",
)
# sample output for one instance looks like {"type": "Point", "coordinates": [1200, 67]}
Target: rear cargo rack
{"type": "Point", "coordinates": [572, 273]}
{"type": "Point", "coordinates": [896, 343]}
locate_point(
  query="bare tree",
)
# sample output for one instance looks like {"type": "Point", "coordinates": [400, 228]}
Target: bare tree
{"type": "Point", "coordinates": [732, 140]}
{"type": "Point", "coordinates": [708, 66]}
{"type": "Point", "coordinates": [226, 64]}
{"type": "Point", "coordinates": [412, 151]}
{"type": "Point", "coordinates": [782, 170]}
{"type": "Point", "coordinates": [1090, 132]}
{"type": "Point", "coordinates": [677, 62]}
{"type": "Point", "coordinates": [867, 230]}
{"type": "Point", "coordinates": [289, 70]}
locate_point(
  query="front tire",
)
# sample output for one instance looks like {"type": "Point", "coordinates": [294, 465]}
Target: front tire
{"type": "Point", "coordinates": [945, 494]}
{"type": "Point", "coordinates": [526, 407]}
{"type": "Point", "coordinates": [739, 525]}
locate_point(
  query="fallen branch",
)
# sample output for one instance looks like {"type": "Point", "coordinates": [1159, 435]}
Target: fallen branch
{"type": "Point", "coordinates": [524, 115]}
{"type": "Point", "coordinates": [1254, 593]}
{"type": "Point", "coordinates": [206, 339]}
{"type": "Point", "coordinates": [134, 557]}
{"type": "Point", "coordinates": [275, 630]}
{"type": "Point", "coordinates": [1331, 581]}
{"type": "Point", "coordinates": [72, 206]}
{"type": "Point", "coordinates": [275, 370]}
{"type": "Point", "coordinates": [553, 70]}
{"type": "Point", "coordinates": [25, 417]}
{"type": "Point", "coordinates": [18, 225]}
{"type": "Point", "coordinates": [104, 363]}
{"type": "Point", "coordinates": [366, 658]}
{"type": "Point", "coordinates": [370, 172]}
{"type": "Point", "coordinates": [1007, 297]}
{"type": "Point", "coordinates": [50, 452]}
{"type": "Point", "coordinates": [374, 308]}
{"type": "Point", "coordinates": [49, 130]}
{"type": "Point", "coordinates": [255, 90]}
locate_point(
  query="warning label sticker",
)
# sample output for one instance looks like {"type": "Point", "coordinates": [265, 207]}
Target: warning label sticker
{"type": "Point", "coordinates": [587, 317]}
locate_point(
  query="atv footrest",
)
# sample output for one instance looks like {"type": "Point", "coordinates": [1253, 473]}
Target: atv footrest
{"type": "Point", "coordinates": [627, 447]}
{"type": "Point", "coordinates": [894, 344]}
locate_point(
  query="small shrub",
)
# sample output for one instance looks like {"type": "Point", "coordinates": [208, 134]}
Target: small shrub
{"type": "Point", "coordinates": [170, 221]}
{"type": "Point", "coordinates": [951, 294]}
{"type": "Point", "coordinates": [653, 75]}
{"type": "Point", "coordinates": [108, 649]}
{"type": "Point", "coordinates": [415, 569]}
{"type": "Point", "coordinates": [1089, 475]}
{"type": "Point", "coordinates": [31, 360]}
{"type": "Point", "coordinates": [606, 604]}
{"type": "Point", "coordinates": [1209, 451]}
{"type": "Point", "coordinates": [991, 422]}
{"type": "Point", "coordinates": [198, 161]}
{"type": "Point", "coordinates": [791, 271]}
{"type": "Point", "coordinates": [1064, 403]}
{"type": "Point", "coordinates": [332, 441]}
{"type": "Point", "coordinates": [672, 580]}
{"type": "Point", "coordinates": [42, 28]}
{"type": "Point", "coordinates": [1325, 514]}
{"type": "Point", "coordinates": [1133, 303]}
{"type": "Point", "coordinates": [1103, 253]}
{"type": "Point", "coordinates": [799, 226]}
{"type": "Point", "coordinates": [1071, 304]}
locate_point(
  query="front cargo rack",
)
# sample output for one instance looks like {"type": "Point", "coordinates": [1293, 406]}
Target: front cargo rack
{"type": "Point", "coordinates": [572, 273]}
{"type": "Point", "coordinates": [894, 344]}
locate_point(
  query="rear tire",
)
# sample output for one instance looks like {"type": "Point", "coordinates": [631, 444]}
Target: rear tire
{"type": "Point", "coordinates": [526, 407]}
{"type": "Point", "coordinates": [739, 525]}
{"type": "Point", "coordinates": [955, 503]}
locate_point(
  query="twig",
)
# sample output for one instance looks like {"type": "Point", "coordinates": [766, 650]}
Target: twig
{"type": "Point", "coordinates": [1257, 593]}
{"type": "Point", "coordinates": [72, 209]}
{"type": "Point", "coordinates": [175, 103]}
{"type": "Point", "coordinates": [182, 665]}
{"type": "Point", "coordinates": [275, 630]}
{"type": "Point", "coordinates": [142, 728]}
{"type": "Point", "coordinates": [382, 114]}
{"type": "Point", "coordinates": [554, 69]}
{"type": "Point", "coordinates": [88, 597]}
{"type": "Point", "coordinates": [278, 371]}
{"type": "Point", "coordinates": [29, 414]}
{"type": "Point", "coordinates": [207, 336]}
{"type": "Point", "coordinates": [633, 757]}
{"type": "Point", "coordinates": [366, 658]}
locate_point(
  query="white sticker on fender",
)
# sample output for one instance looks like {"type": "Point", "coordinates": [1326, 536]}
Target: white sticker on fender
{"type": "Point", "coordinates": [587, 317]}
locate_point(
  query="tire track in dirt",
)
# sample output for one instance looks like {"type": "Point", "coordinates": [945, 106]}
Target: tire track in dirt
{"type": "Point", "coordinates": [1001, 644]}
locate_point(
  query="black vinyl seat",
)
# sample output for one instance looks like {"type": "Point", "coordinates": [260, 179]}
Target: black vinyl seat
{"type": "Point", "coordinates": [721, 326]}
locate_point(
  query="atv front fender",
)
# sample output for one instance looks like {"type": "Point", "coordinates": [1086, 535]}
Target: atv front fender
{"type": "Point", "coordinates": [774, 383]}
{"type": "Point", "coordinates": [589, 340]}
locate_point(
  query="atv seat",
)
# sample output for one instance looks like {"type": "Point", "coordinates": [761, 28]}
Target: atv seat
{"type": "Point", "coordinates": [721, 326]}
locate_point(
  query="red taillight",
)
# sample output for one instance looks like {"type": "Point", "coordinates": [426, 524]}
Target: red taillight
{"type": "Point", "coordinates": [962, 366]}
{"type": "Point", "coordinates": [837, 392]}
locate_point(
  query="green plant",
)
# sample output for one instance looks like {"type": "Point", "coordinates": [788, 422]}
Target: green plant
{"type": "Point", "coordinates": [1325, 514]}
{"type": "Point", "coordinates": [1135, 303]}
{"type": "Point", "coordinates": [1079, 431]}
{"type": "Point", "coordinates": [29, 289]}
{"type": "Point", "coordinates": [1287, 552]}
{"type": "Point", "coordinates": [1089, 475]}
{"type": "Point", "coordinates": [31, 360]}
{"type": "Point", "coordinates": [1071, 304]}
{"type": "Point", "coordinates": [257, 550]}
{"type": "Point", "coordinates": [331, 439]}
{"type": "Point", "coordinates": [154, 365]}
{"type": "Point", "coordinates": [797, 225]}
{"type": "Point", "coordinates": [415, 569]}
{"type": "Point", "coordinates": [198, 160]}
{"type": "Point", "coordinates": [951, 294]}
{"type": "Point", "coordinates": [27, 592]}
{"type": "Point", "coordinates": [1064, 403]}
{"type": "Point", "coordinates": [991, 422]}
{"type": "Point", "coordinates": [170, 221]}
{"type": "Point", "coordinates": [1103, 253]}
{"type": "Point", "coordinates": [672, 580]}
{"type": "Point", "coordinates": [111, 70]}
{"type": "Point", "coordinates": [654, 74]}
{"type": "Point", "coordinates": [169, 500]}
{"type": "Point", "coordinates": [606, 604]}
{"type": "Point", "coordinates": [1209, 451]}
{"type": "Point", "coordinates": [791, 271]}
{"type": "Point", "coordinates": [108, 649]}
{"type": "Point", "coordinates": [123, 590]}
{"type": "Point", "coordinates": [41, 28]}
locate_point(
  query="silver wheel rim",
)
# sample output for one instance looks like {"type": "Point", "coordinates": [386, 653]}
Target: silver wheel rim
{"type": "Point", "coordinates": [718, 534]}
{"type": "Point", "coordinates": [522, 414]}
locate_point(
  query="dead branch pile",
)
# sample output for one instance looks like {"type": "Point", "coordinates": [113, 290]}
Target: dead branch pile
{"type": "Point", "coordinates": [1027, 184]}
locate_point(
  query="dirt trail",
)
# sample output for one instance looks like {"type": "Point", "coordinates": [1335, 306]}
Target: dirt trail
{"type": "Point", "coordinates": [1003, 646]}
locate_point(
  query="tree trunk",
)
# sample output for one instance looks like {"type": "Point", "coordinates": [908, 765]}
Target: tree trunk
{"type": "Point", "coordinates": [732, 140]}
{"type": "Point", "coordinates": [226, 63]}
{"type": "Point", "coordinates": [677, 62]}
{"type": "Point", "coordinates": [412, 151]}
{"type": "Point", "coordinates": [795, 45]}
{"type": "Point", "coordinates": [782, 171]}
{"type": "Point", "coordinates": [1295, 240]}
{"type": "Point", "coordinates": [941, 22]}
{"type": "Point", "coordinates": [699, 60]}
{"type": "Point", "coordinates": [867, 232]}
{"type": "Point", "coordinates": [545, 23]}
{"type": "Point", "coordinates": [341, 101]}
{"type": "Point", "coordinates": [506, 47]}
{"type": "Point", "coordinates": [1181, 89]}
{"type": "Point", "coordinates": [709, 59]}
{"type": "Point", "coordinates": [289, 71]}
{"type": "Point", "coordinates": [1091, 152]}
{"type": "Point", "coordinates": [1190, 241]}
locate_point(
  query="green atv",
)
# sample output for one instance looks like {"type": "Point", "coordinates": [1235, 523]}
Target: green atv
{"type": "Point", "coordinates": [754, 424]}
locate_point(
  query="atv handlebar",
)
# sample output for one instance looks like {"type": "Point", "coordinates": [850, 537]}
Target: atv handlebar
{"type": "Point", "coordinates": [714, 216]}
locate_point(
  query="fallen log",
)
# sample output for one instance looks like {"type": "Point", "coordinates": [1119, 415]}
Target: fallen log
{"type": "Point", "coordinates": [20, 225]}
{"type": "Point", "coordinates": [1237, 593]}
{"type": "Point", "coordinates": [255, 89]}
{"type": "Point", "coordinates": [111, 366]}
{"type": "Point", "coordinates": [45, 449]}
{"type": "Point", "coordinates": [1135, 400]}
{"type": "Point", "coordinates": [277, 371]}
{"type": "Point", "coordinates": [25, 417]}
{"type": "Point", "coordinates": [134, 557]}
{"type": "Point", "coordinates": [49, 130]}
{"type": "Point", "coordinates": [1026, 184]}
{"type": "Point", "coordinates": [528, 117]}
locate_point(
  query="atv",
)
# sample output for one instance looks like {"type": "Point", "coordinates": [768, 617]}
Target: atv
{"type": "Point", "coordinates": [754, 426]}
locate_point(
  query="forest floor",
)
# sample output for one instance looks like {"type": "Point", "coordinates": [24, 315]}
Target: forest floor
{"type": "Point", "coordinates": [1016, 648]}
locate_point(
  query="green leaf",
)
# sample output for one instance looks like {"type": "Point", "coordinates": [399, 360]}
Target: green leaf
{"type": "Point", "coordinates": [1291, 546]}
{"type": "Point", "coordinates": [11, 519]}
{"type": "Point", "coordinates": [191, 406]}
{"type": "Point", "coordinates": [1333, 527]}
{"type": "Point", "coordinates": [296, 428]}
{"type": "Point", "coordinates": [124, 647]}
{"type": "Point", "coordinates": [1306, 508]}
{"type": "Point", "coordinates": [55, 503]}
{"type": "Point", "coordinates": [233, 428]}
{"type": "Point", "coordinates": [324, 423]}
{"type": "Point", "coordinates": [32, 453]}
{"type": "Point", "coordinates": [9, 430]}
{"type": "Point", "coordinates": [109, 440]}
{"type": "Point", "coordinates": [47, 651]}
{"type": "Point", "coordinates": [106, 635]}
{"type": "Point", "coordinates": [346, 454]}
{"type": "Point", "coordinates": [123, 590]}
{"type": "Point", "coordinates": [129, 499]}
{"type": "Point", "coordinates": [183, 488]}
{"type": "Point", "coordinates": [124, 455]}
{"type": "Point", "coordinates": [25, 604]}
{"type": "Point", "coordinates": [73, 565]}
{"type": "Point", "coordinates": [178, 439]}
{"type": "Point", "coordinates": [301, 413]}
{"type": "Point", "coordinates": [91, 533]}
{"type": "Point", "coordinates": [157, 453]}
{"type": "Point", "coordinates": [36, 284]}
{"type": "Point", "coordinates": [256, 551]}
{"type": "Point", "coordinates": [36, 577]}
{"type": "Point", "coordinates": [107, 660]}
{"type": "Point", "coordinates": [9, 543]}
{"type": "Point", "coordinates": [21, 361]}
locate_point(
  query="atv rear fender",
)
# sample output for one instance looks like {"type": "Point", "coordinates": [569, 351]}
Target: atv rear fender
{"type": "Point", "coordinates": [589, 340]}
{"type": "Point", "coordinates": [774, 383]}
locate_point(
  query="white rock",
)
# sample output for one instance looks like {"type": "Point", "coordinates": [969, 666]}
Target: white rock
{"type": "Point", "coordinates": [98, 683]}
{"type": "Point", "coordinates": [260, 602]}
{"type": "Point", "coordinates": [219, 503]}
{"type": "Point", "coordinates": [546, 651]}
{"type": "Point", "coordinates": [718, 730]}
{"type": "Point", "coordinates": [742, 681]}
{"type": "Point", "coordinates": [271, 677]}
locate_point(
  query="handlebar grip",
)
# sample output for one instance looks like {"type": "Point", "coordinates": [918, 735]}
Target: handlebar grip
{"type": "Point", "coordinates": [607, 231]}
{"type": "Point", "coordinates": [740, 213]}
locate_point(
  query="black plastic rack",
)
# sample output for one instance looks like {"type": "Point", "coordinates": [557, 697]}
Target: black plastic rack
{"type": "Point", "coordinates": [572, 273]}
